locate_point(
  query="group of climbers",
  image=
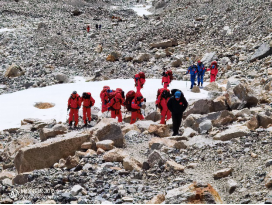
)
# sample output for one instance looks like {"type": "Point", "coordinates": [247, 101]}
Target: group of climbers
{"type": "Point", "coordinates": [199, 71]}
{"type": "Point", "coordinates": [74, 104]}
{"type": "Point", "coordinates": [171, 104]}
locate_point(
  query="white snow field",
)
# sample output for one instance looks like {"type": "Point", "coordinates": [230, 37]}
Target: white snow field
{"type": "Point", "coordinates": [142, 10]}
{"type": "Point", "coordinates": [5, 29]}
{"type": "Point", "coordinates": [20, 105]}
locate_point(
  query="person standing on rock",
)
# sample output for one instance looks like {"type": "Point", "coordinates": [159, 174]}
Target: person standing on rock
{"type": "Point", "coordinates": [74, 103]}
{"type": "Point", "coordinates": [139, 80]}
{"type": "Point", "coordinates": [136, 105]}
{"type": "Point", "coordinates": [214, 70]}
{"type": "Point", "coordinates": [200, 72]}
{"type": "Point", "coordinates": [161, 102]}
{"type": "Point", "coordinates": [88, 102]}
{"type": "Point", "coordinates": [96, 26]}
{"type": "Point", "coordinates": [115, 106]}
{"type": "Point", "coordinates": [88, 29]}
{"type": "Point", "coordinates": [192, 70]}
{"type": "Point", "coordinates": [104, 98]}
{"type": "Point", "coordinates": [177, 104]}
{"type": "Point", "coordinates": [100, 26]}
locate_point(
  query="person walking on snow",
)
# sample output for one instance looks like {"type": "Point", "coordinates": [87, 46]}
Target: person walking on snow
{"type": "Point", "coordinates": [161, 102]}
{"type": "Point", "coordinates": [192, 70]}
{"type": "Point", "coordinates": [115, 106]}
{"type": "Point", "coordinates": [74, 103]}
{"type": "Point", "coordinates": [177, 104]}
{"type": "Point", "coordinates": [167, 77]}
{"type": "Point", "coordinates": [200, 72]}
{"type": "Point", "coordinates": [104, 98]}
{"type": "Point", "coordinates": [139, 80]}
{"type": "Point", "coordinates": [136, 105]}
{"type": "Point", "coordinates": [214, 70]}
{"type": "Point", "coordinates": [88, 102]}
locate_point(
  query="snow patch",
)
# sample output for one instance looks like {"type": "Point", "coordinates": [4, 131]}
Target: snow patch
{"type": "Point", "coordinates": [6, 29]}
{"type": "Point", "coordinates": [19, 105]}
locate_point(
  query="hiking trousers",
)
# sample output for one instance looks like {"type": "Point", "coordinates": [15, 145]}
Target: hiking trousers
{"type": "Point", "coordinates": [73, 113]}
{"type": "Point", "coordinates": [116, 113]}
{"type": "Point", "coordinates": [177, 118]}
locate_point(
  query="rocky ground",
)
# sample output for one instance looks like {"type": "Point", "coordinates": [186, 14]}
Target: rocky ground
{"type": "Point", "coordinates": [223, 152]}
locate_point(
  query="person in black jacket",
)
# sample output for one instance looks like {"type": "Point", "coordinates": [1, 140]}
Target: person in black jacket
{"type": "Point", "coordinates": [177, 104]}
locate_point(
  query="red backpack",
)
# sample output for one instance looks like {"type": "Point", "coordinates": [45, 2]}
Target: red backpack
{"type": "Point", "coordinates": [105, 88]}
{"type": "Point", "coordinates": [129, 97]}
{"type": "Point", "coordinates": [170, 74]}
{"type": "Point", "coordinates": [142, 75]}
{"type": "Point", "coordinates": [119, 90]}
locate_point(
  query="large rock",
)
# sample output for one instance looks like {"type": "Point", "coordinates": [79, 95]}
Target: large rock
{"type": "Point", "coordinates": [130, 164]}
{"type": "Point", "coordinates": [154, 116]}
{"type": "Point", "coordinates": [220, 103]}
{"type": "Point", "coordinates": [176, 63]}
{"type": "Point", "coordinates": [232, 100]}
{"type": "Point", "coordinates": [268, 180]}
{"type": "Point", "coordinates": [205, 126]}
{"type": "Point", "coordinates": [232, 132]}
{"type": "Point", "coordinates": [172, 165]}
{"type": "Point", "coordinates": [71, 162]}
{"type": "Point", "coordinates": [156, 158]}
{"type": "Point", "coordinates": [202, 106]}
{"type": "Point", "coordinates": [45, 154]}
{"type": "Point", "coordinates": [225, 118]}
{"type": "Point", "coordinates": [142, 57]}
{"type": "Point", "coordinates": [105, 145]}
{"type": "Point", "coordinates": [109, 129]}
{"type": "Point", "coordinates": [222, 173]}
{"type": "Point", "coordinates": [264, 120]}
{"type": "Point", "coordinates": [129, 128]}
{"type": "Point", "coordinates": [193, 194]}
{"type": "Point", "coordinates": [21, 178]}
{"type": "Point", "coordinates": [14, 71]}
{"type": "Point", "coordinates": [244, 93]}
{"type": "Point", "coordinates": [164, 44]}
{"type": "Point", "coordinates": [253, 123]}
{"type": "Point", "coordinates": [115, 155]}
{"type": "Point", "coordinates": [144, 125]}
{"type": "Point", "coordinates": [47, 133]}
{"type": "Point", "coordinates": [189, 132]}
{"type": "Point", "coordinates": [212, 87]}
{"type": "Point", "coordinates": [195, 89]}
{"type": "Point", "coordinates": [208, 58]}
{"type": "Point", "coordinates": [61, 78]}
{"type": "Point", "coordinates": [263, 51]}
{"type": "Point", "coordinates": [159, 130]}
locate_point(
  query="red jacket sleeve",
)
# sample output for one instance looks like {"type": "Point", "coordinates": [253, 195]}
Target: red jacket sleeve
{"type": "Point", "coordinates": [69, 102]}
{"type": "Point", "coordinates": [112, 101]}
{"type": "Point", "coordinates": [93, 101]}
{"type": "Point", "coordinates": [79, 102]}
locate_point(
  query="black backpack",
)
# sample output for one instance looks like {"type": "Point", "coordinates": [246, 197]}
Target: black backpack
{"type": "Point", "coordinates": [165, 94]}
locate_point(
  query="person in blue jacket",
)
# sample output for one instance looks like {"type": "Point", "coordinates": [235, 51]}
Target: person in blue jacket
{"type": "Point", "coordinates": [200, 72]}
{"type": "Point", "coordinates": [192, 70]}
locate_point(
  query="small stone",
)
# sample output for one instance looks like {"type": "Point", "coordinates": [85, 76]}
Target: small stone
{"type": "Point", "coordinates": [222, 173]}
{"type": "Point", "coordinates": [232, 185]}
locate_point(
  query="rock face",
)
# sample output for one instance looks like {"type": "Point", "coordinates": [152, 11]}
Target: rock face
{"type": "Point", "coordinates": [108, 129]}
{"type": "Point", "coordinates": [159, 130]}
{"type": "Point", "coordinates": [14, 71]}
{"type": "Point", "coordinates": [233, 132]}
{"type": "Point", "coordinates": [263, 51]}
{"type": "Point", "coordinates": [193, 194]}
{"type": "Point", "coordinates": [45, 154]}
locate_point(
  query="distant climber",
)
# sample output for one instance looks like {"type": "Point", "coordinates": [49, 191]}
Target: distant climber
{"type": "Point", "coordinates": [214, 70]}
{"type": "Point", "coordinates": [200, 72]}
{"type": "Point", "coordinates": [136, 105]}
{"type": "Point", "coordinates": [74, 103]}
{"type": "Point", "coordinates": [139, 80]}
{"type": "Point", "coordinates": [167, 77]}
{"type": "Point", "coordinates": [96, 26]}
{"type": "Point", "coordinates": [88, 102]}
{"type": "Point", "coordinates": [192, 70]}
{"type": "Point", "coordinates": [177, 104]}
{"type": "Point", "coordinates": [100, 26]}
{"type": "Point", "coordinates": [88, 29]}
{"type": "Point", "coordinates": [163, 96]}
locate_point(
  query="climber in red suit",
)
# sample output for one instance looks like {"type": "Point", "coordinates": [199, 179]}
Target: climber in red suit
{"type": "Point", "coordinates": [139, 81]}
{"type": "Point", "coordinates": [214, 70]}
{"type": "Point", "coordinates": [136, 105]}
{"type": "Point", "coordinates": [74, 104]}
{"type": "Point", "coordinates": [162, 101]}
{"type": "Point", "coordinates": [88, 102]}
{"type": "Point", "coordinates": [104, 98]}
{"type": "Point", "coordinates": [115, 106]}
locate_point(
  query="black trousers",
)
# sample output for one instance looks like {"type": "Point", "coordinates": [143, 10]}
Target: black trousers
{"type": "Point", "coordinates": [177, 118]}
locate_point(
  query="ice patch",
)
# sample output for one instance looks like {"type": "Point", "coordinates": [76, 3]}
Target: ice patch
{"type": "Point", "coordinates": [5, 30]}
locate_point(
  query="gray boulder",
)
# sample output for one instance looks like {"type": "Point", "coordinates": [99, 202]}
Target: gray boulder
{"type": "Point", "coordinates": [263, 51]}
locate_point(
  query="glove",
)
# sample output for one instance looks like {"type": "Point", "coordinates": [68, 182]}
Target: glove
{"type": "Point", "coordinates": [144, 99]}
{"type": "Point", "coordinates": [68, 108]}
{"type": "Point", "coordinates": [78, 107]}
{"type": "Point", "coordinates": [140, 105]}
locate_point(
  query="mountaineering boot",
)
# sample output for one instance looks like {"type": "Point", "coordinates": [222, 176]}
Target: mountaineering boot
{"type": "Point", "coordinates": [70, 124]}
{"type": "Point", "coordinates": [198, 84]}
{"type": "Point", "coordinates": [201, 84]}
{"type": "Point", "coordinates": [85, 124]}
